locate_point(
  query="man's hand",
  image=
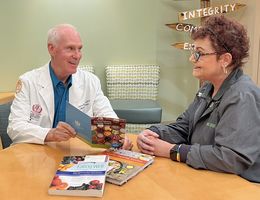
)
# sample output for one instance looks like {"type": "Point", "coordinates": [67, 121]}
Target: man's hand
{"type": "Point", "coordinates": [128, 145]}
{"type": "Point", "coordinates": [62, 132]}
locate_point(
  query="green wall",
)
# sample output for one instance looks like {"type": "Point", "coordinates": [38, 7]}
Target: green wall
{"type": "Point", "coordinates": [113, 32]}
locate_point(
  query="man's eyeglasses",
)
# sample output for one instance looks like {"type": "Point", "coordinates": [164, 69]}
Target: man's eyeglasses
{"type": "Point", "coordinates": [198, 54]}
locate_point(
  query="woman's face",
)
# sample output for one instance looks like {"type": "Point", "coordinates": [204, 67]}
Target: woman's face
{"type": "Point", "coordinates": [206, 67]}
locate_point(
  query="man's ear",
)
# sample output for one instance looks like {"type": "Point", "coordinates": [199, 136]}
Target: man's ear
{"type": "Point", "coordinates": [51, 49]}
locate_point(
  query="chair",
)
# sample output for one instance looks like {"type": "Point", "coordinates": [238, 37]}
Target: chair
{"type": "Point", "coordinates": [132, 91]}
{"type": "Point", "coordinates": [4, 114]}
{"type": "Point", "coordinates": [89, 68]}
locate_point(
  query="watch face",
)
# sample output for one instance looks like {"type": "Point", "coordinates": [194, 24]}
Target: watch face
{"type": "Point", "coordinates": [173, 152]}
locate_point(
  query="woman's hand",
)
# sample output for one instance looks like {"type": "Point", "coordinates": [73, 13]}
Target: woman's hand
{"type": "Point", "coordinates": [148, 142]}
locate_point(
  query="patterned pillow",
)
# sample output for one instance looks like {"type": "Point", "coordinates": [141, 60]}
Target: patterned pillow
{"type": "Point", "coordinates": [137, 128]}
{"type": "Point", "coordinates": [132, 81]}
{"type": "Point", "coordinates": [89, 68]}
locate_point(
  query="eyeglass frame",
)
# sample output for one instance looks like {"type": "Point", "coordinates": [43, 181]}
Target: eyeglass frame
{"type": "Point", "coordinates": [197, 54]}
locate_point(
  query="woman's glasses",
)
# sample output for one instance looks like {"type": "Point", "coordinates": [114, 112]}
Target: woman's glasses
{"type": "Point", "coordinates": [198, 54]}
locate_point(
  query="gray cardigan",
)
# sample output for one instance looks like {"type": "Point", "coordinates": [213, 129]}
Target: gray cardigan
{"type": "Point", "coordinates": [220, 133]}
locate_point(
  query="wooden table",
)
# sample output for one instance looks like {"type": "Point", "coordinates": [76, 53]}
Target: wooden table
{"type": "Point", "coordinates": [6, 97]}
{"type": "Point", "coordinates": [27, 170]}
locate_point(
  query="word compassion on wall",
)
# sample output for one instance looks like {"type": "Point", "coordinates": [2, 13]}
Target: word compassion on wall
{"type": "Point", "coordinates": [183, 27]}
{"type": "Point", "coordinates": [204, 12]}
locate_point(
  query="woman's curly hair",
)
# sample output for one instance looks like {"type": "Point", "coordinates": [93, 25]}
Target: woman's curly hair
{"type": "Point", "coordinates": [226, 35]}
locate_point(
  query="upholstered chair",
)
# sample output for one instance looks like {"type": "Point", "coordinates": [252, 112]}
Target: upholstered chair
{"type": "Point", "coordinates": [89, 68]}
{"type": "Point", "coordinates": [132, 91]}
{"type": "Point", "coordinates": [4, 114]}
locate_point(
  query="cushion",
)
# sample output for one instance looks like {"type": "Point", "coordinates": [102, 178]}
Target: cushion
{"type": "Point", "coordinates": [89, 68]}
{"type": "Point", "coordinates": [137, 111]}
{"type": "Point", "coordinates": [137, 128]}
{"type": "Point", "coordinates": [4, 114]}
{"type": "Point", "coordinates": [132, 81]}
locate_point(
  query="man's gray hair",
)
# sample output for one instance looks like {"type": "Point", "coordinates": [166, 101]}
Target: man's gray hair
{"type": "Point", "coordinates": [53, 34]}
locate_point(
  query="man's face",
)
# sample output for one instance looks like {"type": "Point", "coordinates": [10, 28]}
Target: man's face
{"type": "Point", "coordinates": [66, 53]}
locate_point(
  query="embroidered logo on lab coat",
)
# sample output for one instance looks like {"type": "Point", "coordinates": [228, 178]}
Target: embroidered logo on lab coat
{"type": "Point", "coordinates": [37, 108]}
{"type": "Point", "coordinates": [35, 112]}
{"type": "Point", "coordinates": [18, 86]}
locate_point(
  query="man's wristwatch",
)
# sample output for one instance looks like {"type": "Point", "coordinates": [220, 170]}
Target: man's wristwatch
{"type": "Point", "coordinates": [175, 153]}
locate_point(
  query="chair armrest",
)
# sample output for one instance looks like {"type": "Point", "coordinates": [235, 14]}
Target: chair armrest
{"type": "Point", "coordinates": [1, 146]}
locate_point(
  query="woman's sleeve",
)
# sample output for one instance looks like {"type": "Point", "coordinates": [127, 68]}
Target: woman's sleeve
{"type": "Point", "coordinates": [236, 145]}
{"type": "Point", "coordinates": [177, 132]}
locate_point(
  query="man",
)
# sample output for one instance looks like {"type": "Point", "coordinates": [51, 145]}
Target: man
{"type": "Point", "coordinates": [38, 110]}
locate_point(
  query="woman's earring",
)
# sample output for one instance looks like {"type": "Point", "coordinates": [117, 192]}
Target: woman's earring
{"type": "Point", "coordinates": [225, 70]}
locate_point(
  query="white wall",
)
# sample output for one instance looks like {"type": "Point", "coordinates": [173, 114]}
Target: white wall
{"type": "Point", "coordinates": [113, 32]}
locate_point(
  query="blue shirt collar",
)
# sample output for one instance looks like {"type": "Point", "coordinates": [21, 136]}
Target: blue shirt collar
{"type": "Point", "coordinates": [55, 80]}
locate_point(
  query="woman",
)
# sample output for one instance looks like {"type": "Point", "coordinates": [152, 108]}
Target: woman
{"type": "Point", "coordinates": [220, 130]}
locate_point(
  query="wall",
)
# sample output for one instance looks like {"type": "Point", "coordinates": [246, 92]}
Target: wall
{"type": "Point", "coordinates": [113, 32]}
{"type": "Point", "coordinates": [178, 73]}
{"type": "Point", "coordinates": [177, 85]}
{"type": "Point", "coordinates": [249, 16]}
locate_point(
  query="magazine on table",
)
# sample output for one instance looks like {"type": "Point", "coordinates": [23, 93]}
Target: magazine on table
{"type": "Point", "coordinates": [124, 165]}
{"type": "Point", "coordinates": [80, 176]}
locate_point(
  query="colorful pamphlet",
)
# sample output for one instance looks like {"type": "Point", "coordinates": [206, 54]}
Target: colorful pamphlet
{"type": "Point", "coordinates": [101, 132]}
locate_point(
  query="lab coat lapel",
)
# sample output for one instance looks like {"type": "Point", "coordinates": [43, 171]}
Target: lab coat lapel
{"type": "Point", "coordinates": [46, 91]}
{"type": "Point", "coordinates": [76, 91]}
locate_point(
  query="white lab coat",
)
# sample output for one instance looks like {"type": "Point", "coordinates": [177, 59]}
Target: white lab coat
{"type": "Point", "coordinates": [32, 111]}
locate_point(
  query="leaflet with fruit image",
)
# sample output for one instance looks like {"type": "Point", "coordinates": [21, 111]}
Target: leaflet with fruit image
{"type": "Point", "coordinates": [101, 132]}
{"type": "Point", "coordinates": [124, 165]}
{"type": "Point", "coordinates": [80, 176]}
